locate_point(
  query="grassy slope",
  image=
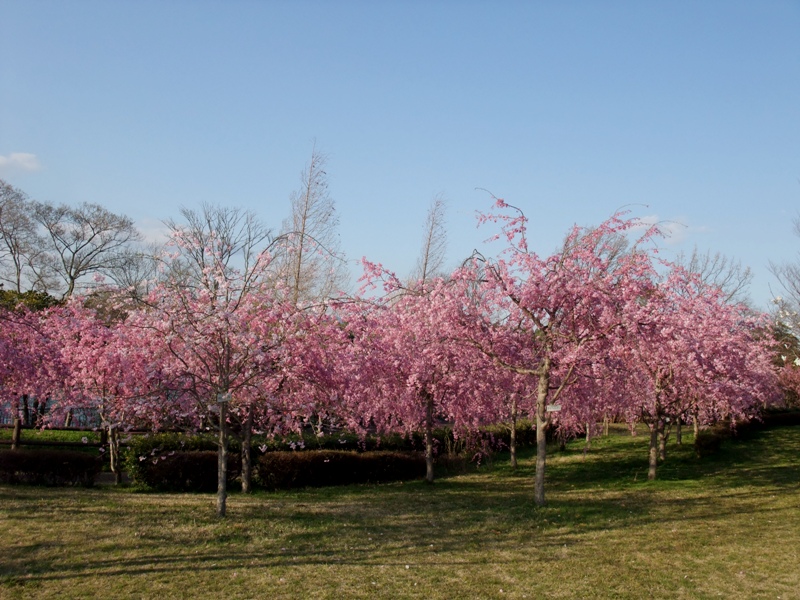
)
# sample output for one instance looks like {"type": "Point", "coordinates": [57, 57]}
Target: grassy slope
{"type": "Point", "coordinates": [728, 526]}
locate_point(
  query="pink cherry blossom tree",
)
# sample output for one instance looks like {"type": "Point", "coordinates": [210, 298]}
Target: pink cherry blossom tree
{"type": "Point", "coordinates": [200, 319]}
{"type": "Point", "coordinates": [30, 365]}
{"type": "Point", "coordinates": [687, 351]}
{"type": "Point", "coordinates": [213, 355]}
{"type": "Point", "coordinates": [545, 317]}
{"type": "Point", "coordinates": [231, 337]}
{"type": "Point", "coordinates": [407, 370]}
{"type": "Point", "coordinates": [107, 368]}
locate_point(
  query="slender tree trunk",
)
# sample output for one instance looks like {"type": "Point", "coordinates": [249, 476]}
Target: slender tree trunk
{"type": "Point", "coordinates": [26, 411]}
{"type": "Point", "coordinates": [653, 465]}
{"type": "Point", "coordinates": [247, 457]}
{"type": "Point", "coordinates": [113, 453]}
{"type": "Point", "coordinates": [605, 425]}
{"type": "Point", "coordinates": [541, 434]}
{"type": "Point", "coordinates": [588, 443]}
{"type": "Point", "coordinates": [679, 432]}
{"type": "Point", "coordinates": [68, 418]}
{"type": "Point", "coordinates": [35, 417]}
{"type": "Point", "coordinates": [429, 438]}
{"type": "Point", "coordinates": [36, 409]}
{"type": "Point", "coordinates": [222, 461]}
{"type": "Point", "coordinates": [17, 432]}
{"type": "Point", "coordinates": [695, 425]}
{"type": "Point", "coordinates": [663, 437]}
{"type": "Point", "coordinates": [513, 441]}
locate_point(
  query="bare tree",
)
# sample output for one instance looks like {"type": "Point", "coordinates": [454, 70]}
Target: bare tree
{"type": "Point", "coordinates": [22, 253]}
{"type": "Point", "coordinates": [719, 271]}
{"type": "Point", "coordinates": [434, 242]}
{"type": "Point", "coordinates": [225, 238]}
{"type": "Point", "coordinates": [787, 305]}
{"type": "Point", "coordinates": [310, 255]}
{"type": "Point", "coordinates": [83, 240]}
{"type": "Point", "coordinates": [135, 270]}
{"type": "Point", "coordinates": [788, 273]}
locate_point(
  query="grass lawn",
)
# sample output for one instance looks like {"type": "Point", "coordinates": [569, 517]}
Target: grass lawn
{"type": "Point", "coordinates": [727, 526]}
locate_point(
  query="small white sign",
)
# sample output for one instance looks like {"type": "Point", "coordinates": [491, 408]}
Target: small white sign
{"type": "Point", "coordinates": [553, 407]}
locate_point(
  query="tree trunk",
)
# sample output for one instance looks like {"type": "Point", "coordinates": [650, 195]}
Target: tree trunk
{"type": "Point", "coordinates": [651, 472]}
{"type": "Point", "coordinates": [588, 443]}
{"type": "Point", "coordinates": [663, 436]}
{"type": "Point", "coordinates": [429, 438]}
{"type": "Point", "coordinates": [695, 425]}
{"type": "Point", "coordinates": [68, 418]}
{"type": "Point", "coordinates": [222, 461]}
{"type": "Point", "coordinates": [113, 453]}
{"type": "Point", "coordinates": [605, 425]}
{"type": "Point", "coordinates": [247, 457]}
{"type": "Point", "coordinates": [26, 411]}
{"type": "Point", "coordinates": [513, 441]}
{"type": "Point", "coordinates": [17, 432]}
{"type": "Point", "coordinates": [679, 432]}
{"type": "Point", "coordinates": [541, 434]}
{"type": "Point", "coordinates": [40, 408]}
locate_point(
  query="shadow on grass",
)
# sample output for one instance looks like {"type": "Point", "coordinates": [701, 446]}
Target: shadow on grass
{"type": "Point", "coordinates": [763, 457]}
{"type": "Point", "coordinates": [453, 521]}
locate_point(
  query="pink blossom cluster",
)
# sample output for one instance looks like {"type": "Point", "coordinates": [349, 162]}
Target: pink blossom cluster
{"type": "Point", "coordinates": [600, 329]}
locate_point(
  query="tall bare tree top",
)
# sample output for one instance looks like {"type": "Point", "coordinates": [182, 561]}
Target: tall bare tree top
{"type": "Point", "coordinates": [434, 242]}
{"type": "Point", "coordinates": [311, 258]}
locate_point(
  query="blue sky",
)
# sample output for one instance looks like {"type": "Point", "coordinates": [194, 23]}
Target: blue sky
{"type": "Point", "coordinates": [688, 112]}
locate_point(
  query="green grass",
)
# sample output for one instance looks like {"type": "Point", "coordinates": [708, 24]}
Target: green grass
{"type": "Point", "coordinates": [726, 526]}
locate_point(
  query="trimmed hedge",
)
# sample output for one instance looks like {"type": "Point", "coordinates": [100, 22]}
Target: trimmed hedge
{"type": "Point", "coordinates": [174, 471]}
{"type": "Point", "coordinates": [144, 456]}
{"type": "Point", "coordinates": [488, 439]}
{"type": "Point", "coordinates": [316, 468]}
{"type": "Point", "coordinates": [48, 467]}
{"type": "Point", "coordinates": [150, 459]}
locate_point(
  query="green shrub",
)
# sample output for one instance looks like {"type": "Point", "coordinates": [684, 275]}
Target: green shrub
{"type": "Point", "coordinates": [176, 471]}
{"type": "Point", "coordinates": [285, 470]}
{"type": "Point", "coordinates": [350, 441]}
{"type": "Point", "coordinates": [142, 450]}
{"type": "Point", "coordinates": [48, 467]}
{"type": "Point", "coordinates": [146, 456]}
{"type": "Point", "coordinates": [491, 437]}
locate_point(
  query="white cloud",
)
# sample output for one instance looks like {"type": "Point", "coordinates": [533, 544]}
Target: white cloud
{"type": "Point", "coordinates": [19, 161]}
{"type": "Point", "coordinates": [153, 230]}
